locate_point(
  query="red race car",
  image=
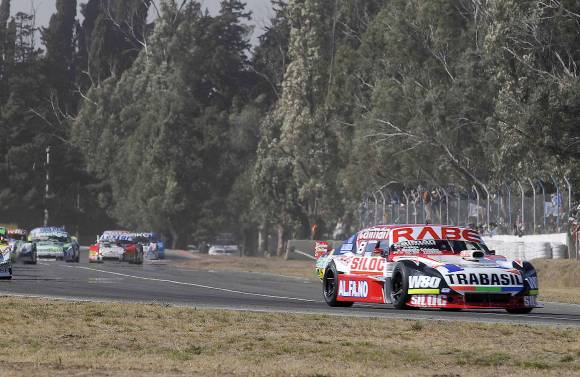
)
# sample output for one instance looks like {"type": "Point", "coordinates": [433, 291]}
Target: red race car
{"type": "Point", "coordinates": [122, 246]}
{"type": "Point", "coordinates": [426, 266]}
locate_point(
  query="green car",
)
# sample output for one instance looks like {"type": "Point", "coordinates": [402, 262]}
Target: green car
{"type": "Point", "coordinates": [54, 242]}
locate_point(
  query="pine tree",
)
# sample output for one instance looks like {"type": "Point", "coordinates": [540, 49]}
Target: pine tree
{"type": "Point", "coordinates": [305, 136]}
{"type": "Point", "coordinates": [60, 54]}
{"type": "Point", "coordinates": [111, 36]}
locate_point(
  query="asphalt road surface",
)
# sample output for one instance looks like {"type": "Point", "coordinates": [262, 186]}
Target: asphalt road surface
{"type": "Point", "coordinates": [163, 282]}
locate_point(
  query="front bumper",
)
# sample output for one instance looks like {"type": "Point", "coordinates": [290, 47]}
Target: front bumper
{"type": "Point", "coordinates": [474, 301]}
{"type": "Point", "coordinates": [51, 254]}
{"type": "Point", "coordinates": [5, 269]}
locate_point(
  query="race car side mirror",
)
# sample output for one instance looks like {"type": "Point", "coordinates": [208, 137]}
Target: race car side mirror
{"type": "Point", "coordinates": [492, 252]}
{"type": "Point", "coordinates": [381, 252]}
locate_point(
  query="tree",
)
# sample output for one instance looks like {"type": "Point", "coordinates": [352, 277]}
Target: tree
{"type": "Point", "coordinates": [294, 151]}
{"type": "Point", "coordinates": [532, 49]}
{"type": "Point", "coordinates": [158, 136]}
{"type": "Point", "coordinates": [60, 55]}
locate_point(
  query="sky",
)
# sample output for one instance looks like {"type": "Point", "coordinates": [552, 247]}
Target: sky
{"type": "Point", "coordinates": [261, 9]}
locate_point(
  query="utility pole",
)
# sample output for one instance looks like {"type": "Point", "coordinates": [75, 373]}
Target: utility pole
{"type": "Point", "coordinates": [47, 187]}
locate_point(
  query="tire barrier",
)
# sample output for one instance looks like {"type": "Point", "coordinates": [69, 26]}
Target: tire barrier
{"type": "Point", "coordinates": [559, 251]}
{"type": "Point", "coordinates": [528, 250]}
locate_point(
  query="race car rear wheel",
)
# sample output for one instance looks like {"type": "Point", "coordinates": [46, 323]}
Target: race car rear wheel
{"type": "Point", "coordinates": [400, 286]}
{"type": "Point", "coordinates": [519, 310]}
{"type": "Point", "coordinates": [330, 287]}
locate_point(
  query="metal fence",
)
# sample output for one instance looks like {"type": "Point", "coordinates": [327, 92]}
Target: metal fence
{"type": "Point", "coordinates": [532, 207]}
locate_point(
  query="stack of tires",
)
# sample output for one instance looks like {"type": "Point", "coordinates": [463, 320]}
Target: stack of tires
{"type": "Point", "coordinates": [559, 251]}
{"type": "Point", "coordinates": [538, 250]}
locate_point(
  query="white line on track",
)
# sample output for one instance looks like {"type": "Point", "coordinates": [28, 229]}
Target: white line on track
{"type": "Point", "coordinates": [192, 284]}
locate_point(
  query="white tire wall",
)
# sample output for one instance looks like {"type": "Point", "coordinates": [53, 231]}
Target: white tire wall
{"type": "Point", "coordinates": [527, 251]}
{"type": "Point", "coordinates": [559, 251]}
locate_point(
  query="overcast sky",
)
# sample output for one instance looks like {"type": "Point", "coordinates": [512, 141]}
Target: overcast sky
{"type": "Point", "coordinates": [261, 9]}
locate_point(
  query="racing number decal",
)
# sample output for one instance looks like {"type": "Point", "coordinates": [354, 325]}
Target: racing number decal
{"type": "Point", "coordinates": [361, 247]}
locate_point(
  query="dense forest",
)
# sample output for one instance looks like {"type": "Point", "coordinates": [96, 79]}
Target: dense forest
{"type": "Point", "coordinates": [181, 126]}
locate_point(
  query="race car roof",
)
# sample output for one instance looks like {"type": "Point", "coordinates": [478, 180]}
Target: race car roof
{"type": "Point", "coordinates": [49, 231]}
{"type": "Point", "coordinates": [398, 233]}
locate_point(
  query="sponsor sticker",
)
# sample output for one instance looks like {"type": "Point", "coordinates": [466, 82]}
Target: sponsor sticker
{"type": "Point", "coordinates": [367, 265]}
{"type": "Point", "coordinates": [483, 278]}
{"type": "Point", "coordinates": [422, 281]}
{"type": "Point", "coordinates": [429, 300]}
{"type": "Point", "coordinates": [434, 233]}
{"type": "Point", "coordinates": [373, 234]}
{"type": "Point", "coordinates": [530, 301]}
{"type": "Point", "coordinates": [353, 288]}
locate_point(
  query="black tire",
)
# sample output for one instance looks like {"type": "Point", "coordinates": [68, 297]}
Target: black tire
{"type": "Point", "coordinates": [520, 310]}
{"type": "Point", "coordinates": [330, 288]}
{"type": "Point", "coordinates": [400, 286]}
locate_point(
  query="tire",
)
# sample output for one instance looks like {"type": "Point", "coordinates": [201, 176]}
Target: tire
{"type": "Point", "coordinates": [139, 256]}
{"type": "Point", "coordinates": [330, 288]}
{"type": "Point", "coordinates": [400, 286]}
{"type": "Point", "coordinates": [520, 310]}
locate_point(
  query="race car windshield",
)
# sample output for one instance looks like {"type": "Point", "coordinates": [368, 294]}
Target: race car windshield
{"type": "Point", "coordinates": [459, 246]}
{"type": "Point", "coordinates": [436, 246]}
{"type": "Point", "coordinates": [52, 238]}
{"type": "Point", "coordinates": [422, 246]}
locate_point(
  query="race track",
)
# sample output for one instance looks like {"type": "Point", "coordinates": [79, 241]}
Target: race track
{"type": "Point", "coordinates": [161, 282]}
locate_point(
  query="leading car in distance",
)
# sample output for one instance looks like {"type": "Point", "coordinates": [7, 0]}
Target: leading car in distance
{"type": "Point", "coordinates": [426, 266]}
{"type": "Point", "coordinates": [55, 242]}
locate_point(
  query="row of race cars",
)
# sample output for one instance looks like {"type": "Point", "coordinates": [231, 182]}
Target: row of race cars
{"type": "Point", "coordinates": [424, 266]}
{"type": "Point", "coordinates": [20, 246]}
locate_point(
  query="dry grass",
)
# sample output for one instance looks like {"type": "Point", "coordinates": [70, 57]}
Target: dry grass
{"type": "Point", "coordinates": [559, 279]}
{"type": "Point", "coordinates": [45, 338]}
{"type": "Point", "coordinates": [272, 265]}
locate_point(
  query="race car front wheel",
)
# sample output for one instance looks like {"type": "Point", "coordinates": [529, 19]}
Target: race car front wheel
{"type": "Point", "coordinates": [400, 286]}
{"type": "Point", "coordinates": [330, 287]}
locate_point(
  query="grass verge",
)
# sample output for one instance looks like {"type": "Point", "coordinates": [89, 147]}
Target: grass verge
{"type": "Point", "coordinates": [559, 279]}
{"type": "Point", "coordinates": [47, 338]}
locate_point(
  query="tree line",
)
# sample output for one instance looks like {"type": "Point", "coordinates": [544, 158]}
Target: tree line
{"type": "Point", "coordinates": [180, 125]}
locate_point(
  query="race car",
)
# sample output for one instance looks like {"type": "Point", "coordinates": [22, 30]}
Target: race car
{"type": "Point", "coordinates": [21, 249]}
{"type": "Point", "coordinates": [224, 245]}
{"type": "Point", "coordinates": [153, 246]}
{"type": "Point", "coordinates": [323, 253]}
{"type": "Point", "coordinates": [5, 256]}
{"type": "Point", "coordinates": [122, 246]}
{"type": "Point", "coordinates": [55, 242]}
{"type": "Point", "coordinates": [426, 266]}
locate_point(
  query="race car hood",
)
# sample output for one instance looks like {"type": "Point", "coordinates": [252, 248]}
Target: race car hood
{"type": "Point", "coordinates": [488, 274]}
{"type": "Point", "coordinates": [51, 247]}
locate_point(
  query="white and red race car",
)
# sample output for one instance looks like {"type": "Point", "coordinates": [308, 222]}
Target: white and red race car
{"type": "Point", "coordinates": [425, 266]}
{"type": "Point", "coordinates": [122, 246]}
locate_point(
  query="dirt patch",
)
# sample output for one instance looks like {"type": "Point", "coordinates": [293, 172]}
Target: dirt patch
{"type": "Point", "coordinates": [47, 338]}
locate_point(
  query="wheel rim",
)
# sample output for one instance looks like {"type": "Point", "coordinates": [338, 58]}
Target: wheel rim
{"type": "Point", "coordinates": [329, 286]}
